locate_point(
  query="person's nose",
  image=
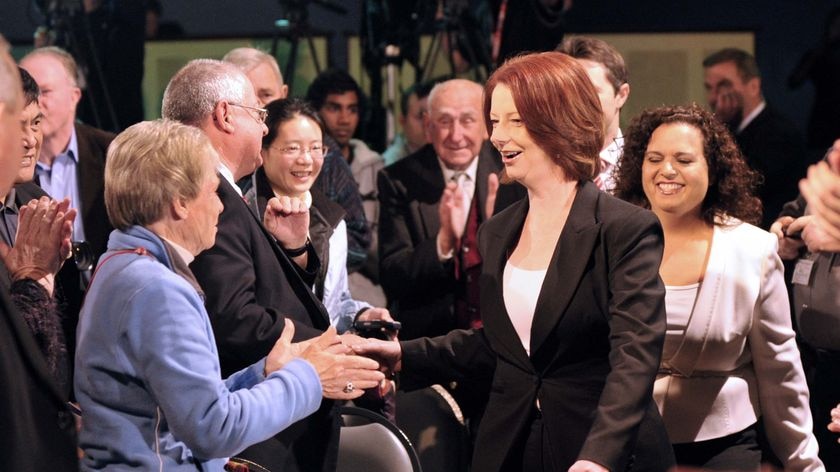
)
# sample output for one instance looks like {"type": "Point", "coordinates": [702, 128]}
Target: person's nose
{"type": "Point", "coordinates": [29, 138]}
{"type": "Point", "coordinates": [457, 132]}
{"type": "Point", "coordinates": [499, 137]}
{"type": "Point", "coordinates": [668, 170]}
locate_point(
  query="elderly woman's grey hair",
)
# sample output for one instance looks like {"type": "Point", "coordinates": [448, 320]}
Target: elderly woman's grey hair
{"type": "Point", "coordinates": [150, 164]}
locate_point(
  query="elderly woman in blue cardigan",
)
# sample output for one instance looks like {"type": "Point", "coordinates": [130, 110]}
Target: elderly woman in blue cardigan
{"type": "Point", "coordinates": [148, 378]}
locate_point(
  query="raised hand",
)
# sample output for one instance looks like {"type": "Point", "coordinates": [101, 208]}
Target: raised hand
{"type": "Point", "coordinates": [42, 243]}
{"type": "Point", "coordinates": [453, 217]}
{"type": "Point", "coordinates": [788, 230]}
{"type": "Point", "coordinates": [492, 190]}
{"type": "Point", "coordinates": [821, 190]}
{"type": "Point", "coordinates": [287, 219]}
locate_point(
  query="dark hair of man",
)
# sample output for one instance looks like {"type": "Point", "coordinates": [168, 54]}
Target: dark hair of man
{"type": "Point", "coordinates": [31, 92]}
{"type": "Point", "coordinates": [744, 62]}
{"type": "Point", "coordinates": [420, 89]}
{"type": "Point", "coordinates": [286, 109]}
{"type": "Point", "coordinates": [732, 184]}
{"type": "Point", "coordinates": [559, 108]}
{"type": "Point", "coordinates": [333, 82]}
{"type": "Point", "coordinates": [596, 50]}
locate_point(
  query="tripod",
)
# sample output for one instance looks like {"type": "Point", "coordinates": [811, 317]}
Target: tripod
{"type": "Point", "coordinates": [72, 31]}
{"type": "Point", "coordinates": [451, 32]}
{"type": "Point", "coordinates": [294, 27]}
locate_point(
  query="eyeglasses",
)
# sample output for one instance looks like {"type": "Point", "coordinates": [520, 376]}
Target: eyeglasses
{"type": "Point", "coordinates": [262, 113]}
{"type": "Point", "coordinates": [317, 151]}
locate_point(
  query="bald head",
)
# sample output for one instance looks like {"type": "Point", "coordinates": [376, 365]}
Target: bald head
{"type": "Point", "coordinates": [455, 122]}
{"type": "Point", "coordinates": [263, 72]}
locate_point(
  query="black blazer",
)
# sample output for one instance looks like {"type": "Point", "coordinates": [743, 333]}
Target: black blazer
{"type": "Point", "coordinates": [69, 293]}
{"type": "Point", "coordinates": [251, 286]}
{"type": "Point", "coordinates": [772, 145]}
{"type": "Point", "coordinates": [420, 289]}
{"type": "Point", "coordinates": [37, 432]}
{"type": "Point", "coordinates": [93, 146]}
{"type": "Point", "coordinates": [596, 343]}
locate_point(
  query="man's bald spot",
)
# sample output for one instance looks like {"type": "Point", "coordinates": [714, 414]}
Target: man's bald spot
{"type": "Point", "coordinates": [460, 86]}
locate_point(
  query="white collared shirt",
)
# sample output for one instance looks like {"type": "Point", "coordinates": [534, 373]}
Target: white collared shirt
{"type": "Point", "coordinates": [228, 175]}
{"type": "Point", "coordinates": [609, 157]}
{"type": "Point", "coordinates": [749, 118]}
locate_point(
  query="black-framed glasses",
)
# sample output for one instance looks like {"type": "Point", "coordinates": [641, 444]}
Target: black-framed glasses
{"type": "Point", "coordinates": [262, 113]}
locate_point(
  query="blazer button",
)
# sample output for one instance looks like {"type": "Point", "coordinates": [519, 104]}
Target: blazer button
{"type": "Point", "coordinates": [65, 419]}
{"type": "Point", "coordinates": [466, 249]}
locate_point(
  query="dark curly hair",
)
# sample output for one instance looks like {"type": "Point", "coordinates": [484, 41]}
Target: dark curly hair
{"type": "Point", "coordinates": [732, 184]}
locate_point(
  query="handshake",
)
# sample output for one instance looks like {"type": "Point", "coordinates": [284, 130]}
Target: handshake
{"type": "Point", "coordinates": [347, 364]}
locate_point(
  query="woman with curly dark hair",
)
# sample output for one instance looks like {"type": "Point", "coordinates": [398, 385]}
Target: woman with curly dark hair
{"type": "Point", "coordinates": [730, 358]}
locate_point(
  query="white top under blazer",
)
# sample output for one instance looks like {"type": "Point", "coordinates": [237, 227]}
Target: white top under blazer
{"type": "Point", "coordinates": [737, 359]}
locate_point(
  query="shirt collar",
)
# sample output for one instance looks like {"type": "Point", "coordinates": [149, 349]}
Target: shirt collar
{"type": "Point", "coordinates": [612, 152]}
{"type": "Point", "coordinates": [228, 175]}
{"type": "Point", "coordinates": [72, 151]}
{"type": "Point", "coordinates": [749, 118]}
{"type": "Point", "coordinates": [181, 250]}
{"type": "Point", "coordinates": [471, 170]}
{"type": "Point", "coordinates": [10, 203]}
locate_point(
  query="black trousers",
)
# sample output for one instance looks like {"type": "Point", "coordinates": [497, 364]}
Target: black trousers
{"type": "Point", "coordinates": [737, 452]}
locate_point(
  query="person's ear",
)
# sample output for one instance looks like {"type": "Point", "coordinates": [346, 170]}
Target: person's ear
{"type": "Point", "coordinates": [284, 91]}
{"type": "Point", "coordinates": [754, 86]}
{"type": "Point", "coordinates": [179, 208]}
{"type": "Point", "coordinates": [222, 117]}
{"type": "Point", "coordinates": [622, 95]}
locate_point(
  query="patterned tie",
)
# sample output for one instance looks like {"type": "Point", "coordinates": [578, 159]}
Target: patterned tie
{"type": "Point", "coordinates": [465, 185]}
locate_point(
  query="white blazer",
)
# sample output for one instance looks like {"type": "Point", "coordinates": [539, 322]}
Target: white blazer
{"type": "Point", "coordinates": [737, 360]}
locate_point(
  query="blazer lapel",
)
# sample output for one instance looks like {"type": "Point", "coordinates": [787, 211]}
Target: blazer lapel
{"type": "Point", "coordinates": [496, 242]}
{"type": "Point", "coordinates": [568, 264]}
{"type": "Point", "coordinates": [317, 312]}
{"type": "Point", "coordinates": [428, 187]}
{"type": "Point", "coordinates": [703, 313]}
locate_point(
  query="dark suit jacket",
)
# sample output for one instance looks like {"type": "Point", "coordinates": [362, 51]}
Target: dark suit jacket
{"type": "Point", "coordinates": [420, 289]}
{"type": "Point", "coordinates": [68, 289]}
{"type": "Point", "coordinates": [93, 146]}
{"type": "Point", "coordinates": [251, 287]}
{"type": "Point", "coordinates": [37, 432]}
{"type": "Point", "coordinates": [773, 146]}
{"type": "Point", "coordinates": [596, 343]}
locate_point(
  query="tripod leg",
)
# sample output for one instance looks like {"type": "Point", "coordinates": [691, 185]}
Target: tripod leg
{"type": "Point", "coordinates": [289, 72]}
{"type": "Point", "coordinates": [313, 53]}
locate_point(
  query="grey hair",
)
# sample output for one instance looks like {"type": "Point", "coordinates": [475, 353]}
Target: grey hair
{"type": "Point", "coordinates": [67, 61]}
{"type": "Point", "coordinates": [193, 92]}
{"type": "Point", "coordinates": [247, 59]}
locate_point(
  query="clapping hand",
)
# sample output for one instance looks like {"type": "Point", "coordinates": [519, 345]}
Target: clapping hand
{"type": "Point", "coordinates": [42, 243]}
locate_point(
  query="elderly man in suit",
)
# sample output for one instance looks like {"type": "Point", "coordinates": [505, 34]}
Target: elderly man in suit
{"type": "Point", "coordinates": [260, 270]}
{"type": "Point", "coordinates": [37, 429]}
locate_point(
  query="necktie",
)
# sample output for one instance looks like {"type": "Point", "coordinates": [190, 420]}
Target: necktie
{"type": "Point", "coordinates": [465, 186]}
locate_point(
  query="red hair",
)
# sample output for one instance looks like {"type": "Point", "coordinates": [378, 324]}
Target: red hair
{"type": "Point", "coordinates": [559, 107]}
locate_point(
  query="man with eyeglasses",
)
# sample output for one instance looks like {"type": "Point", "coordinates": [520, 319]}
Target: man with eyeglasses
{"type": "Point", "coordinates": [608, 73]}
{"type": "Point", "coordinates": [260, 270]}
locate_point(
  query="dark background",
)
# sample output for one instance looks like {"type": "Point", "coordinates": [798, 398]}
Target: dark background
{"type": "Point", "coordinates": [784, 29]}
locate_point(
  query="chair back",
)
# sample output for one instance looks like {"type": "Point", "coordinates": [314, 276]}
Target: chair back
{"type": "Point", "coordinates": [369, 442]}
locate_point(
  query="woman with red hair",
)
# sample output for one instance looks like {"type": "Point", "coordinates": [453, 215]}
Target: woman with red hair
{"type": "Point", "coordinates": [572, 304]}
